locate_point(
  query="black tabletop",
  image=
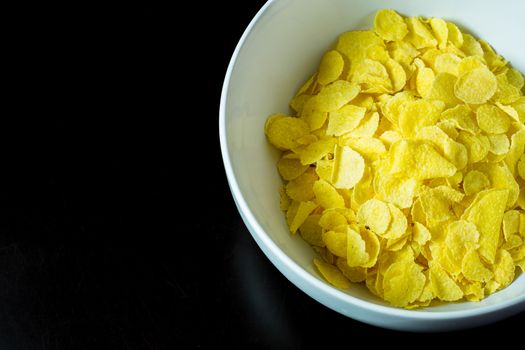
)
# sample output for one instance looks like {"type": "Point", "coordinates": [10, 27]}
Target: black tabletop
{"type": "Point", "coordinates": [117, 227]}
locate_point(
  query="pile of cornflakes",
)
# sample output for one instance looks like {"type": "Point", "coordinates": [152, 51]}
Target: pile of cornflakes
{"type": "Point", "coordinates": [404, 165]}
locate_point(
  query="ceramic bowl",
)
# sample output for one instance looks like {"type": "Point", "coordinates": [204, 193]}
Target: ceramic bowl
{"type": "Point", "coordinates": [279, 50]}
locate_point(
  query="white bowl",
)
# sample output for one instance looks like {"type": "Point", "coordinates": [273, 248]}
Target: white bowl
{"type": "Point", "coordinates": [279, 50]}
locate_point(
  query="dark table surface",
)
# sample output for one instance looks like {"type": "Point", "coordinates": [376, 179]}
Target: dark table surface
{"type": "Point", "coordinates": [117, 228]}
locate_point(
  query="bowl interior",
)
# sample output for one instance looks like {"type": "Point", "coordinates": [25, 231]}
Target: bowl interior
{"type": "Point", "coordinates": [283, 49]}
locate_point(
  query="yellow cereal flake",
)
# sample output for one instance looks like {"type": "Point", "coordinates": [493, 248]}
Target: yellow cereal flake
{"type": "Point", "coordinates": [284, 200]}
{"type": "Point", "coordinates": [390, 26]}
{"type": "Point", "coordinates": [344, 120]}
{"type": "Point", "coordinates": [474, 269]}
{"type": "Point", "coordinates": [389, 137]}
{"type": "Point", "coordinates": [499, 144]}
{"type": "Point", "coordinates": [492, 120]}
{"type": "Point", "coordinates": [443, 286]}
{"type": "Point", "coordinates": [454, 152]}
{"type": "Point", "coordinates": [476, 86]}
{"type": "Point", "coordinates": [447, 63]}
{"type": "Point", "coordinates": [369, 147]}
{"type": "Point", "coordinates": [471, 47]}
{"type": "Point", "coordinates": [419, 161]}
{"type": "Point", "coordinates": [501, 178]}
{"type": "Point", "coordinates": [332, 220]}
{"type": "Point", "coordinates": [443, 89]}
{"type": "Point", "coordinates": [356, 254]}
{"type": "Point", "coordinates": [331, 67]}
{"type": "Point", "coordinates": [316, 150]}
{"type": "Point", "coordinates": [421, 234]}
{"type": "Point", "coordinates": [470, 63]}
{"type": "Point", "coordinates": [373, 76]}
{"type": "Point", "coordinates": [349, 167]}
{"type": "Point", "coordinates": [494, 61]}
{"type": "Point", "coordinates": [354, 274]}
{"type": "Point", "coordinates": [271, 119]}
{"type": "Point", "coordinates": [486, 212]}
{"type": "Point", "coordinates": [403, 283]}
{"type": "Point", "coordinates": [283, 131]}
{"type": "Point", "coordinates": [506, 93]}
{"type": "Point", "coordinates": [332, 274]}
{"type": "Point", "coordinates": [503, 268]}
{"type": "Point", "coordinates": [461, 237]}
{"type": "Point", "coordinates": [312, 115]}
{"type": "Point", "coordinates": [303, 211]}
{"type": "Point", "coordinates": [374, 214]}
{"type": "Point", "coordinates": [419, 34]}
{"type": "Point", "coordinates": [515, 78]}
{"type": "Point", "coordinates": [397, 74]}
{"type": "Point", "coordinates": [403, 163]}
{"type": "Point", "coordinates": [477, 146]}
{"type": "Point", "coordinates": [311, 231]}
{"type": "Point", "coordinates": [437, 208]}
{"type": "Point", "coordinates": [475, 182]}
{"type": "Point", "coordinates": [373, 247]}
{"type": "Point", "coordinates": [356, 45]}
{"type": "Point", "coordinates": [416, 115]}
{"type": "Point", "coordinates": [326, 195]}
{"type": "Point", "coordinates": [301, 188]}
{"type": "Point", "coordinates": [324, 168]}
{"type": "Point", "coordinates": [449, 128]}
{"type": "Point", "coordinates": [367, 127]}
{"type": "Point", "coordinates": [398, 226]}
{"type": "Point", "coordinates": [519, 107]}
{"type": "Point", "coordinates": [305, 141]}
{"type": "Point", "coordinates": [462, 118]}
{"type": "Point", "coordinates": [473, 290]}
{"type": "Point", "coordinates": [429, 56]}
{"type": "Point", "coordinates": [297, 103]}
{"type": "Point", "coordinates": [513, 243]}
{"type": "Point", "coordinates": [440, 31]}
{"type": "Point", "coordinates": [424, 81]}
{"type": "Point", "coordinates": [510, 111]}
{"type": "Point", "coordinates": [290, 168]}
{"type": "Point", "coordinates": [336, 95]}
{"type": "Point", "coordinates": [511, 223]}
{"type": "Point", "coordinates": [362, 191]}
{"type": "Point", "coordinates": [336, 241]}
{"type": "Point", "coordinates": [516, 150]}
{"type": "Point", "coordinates": [396, 244]}
{"type": "Point", "coordinates": [306, 87]}
{"type": "Point", "coordinates": [403, 52]}
{"type": "Point", "coordinates": [454, 35]}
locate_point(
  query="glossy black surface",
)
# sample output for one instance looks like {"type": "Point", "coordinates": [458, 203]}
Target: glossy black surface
{"type": "Point", "coordinates": [117, 228]}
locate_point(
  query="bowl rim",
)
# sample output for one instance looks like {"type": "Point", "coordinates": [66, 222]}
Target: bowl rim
{"type": "Point", "coordinates": [263, 239]}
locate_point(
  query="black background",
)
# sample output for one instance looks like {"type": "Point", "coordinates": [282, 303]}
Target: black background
{"type": "Point", "coordinates": [117, 226]}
